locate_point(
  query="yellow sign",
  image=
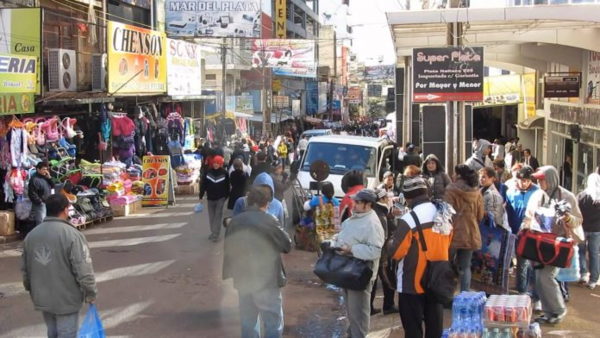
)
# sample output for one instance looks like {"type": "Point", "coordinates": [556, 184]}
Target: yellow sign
{"type": "Point", "coordinates": [156, 178]}
{"type": "Point", "coordinates": [529, 89]}
{"type": "Point", "coordinates": [276, 85]}
{"type": "Point", "coordinates": [137, 61]}
{"type": "Point", "coordinates": [18, 74]}
{"type": "Point", "coordinates": [280, 19]}
{"type": "Point", "coordinates": [501, 90]}
{"type": "Point", "coordinates": [16, 104]}
{"type": "Point", "coordinates": [20, 35]}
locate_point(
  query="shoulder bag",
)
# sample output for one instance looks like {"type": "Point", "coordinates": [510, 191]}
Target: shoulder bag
{"type": "Point", "coordinates": [440, 278]}
{"type": "Point", "coordinates": [343, 271]}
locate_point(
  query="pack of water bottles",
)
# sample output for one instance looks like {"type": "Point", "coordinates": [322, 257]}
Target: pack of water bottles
{"type": "Point", "coordinates": [467, 316]}
{"type": "Point", "coordinates": [508, 311]}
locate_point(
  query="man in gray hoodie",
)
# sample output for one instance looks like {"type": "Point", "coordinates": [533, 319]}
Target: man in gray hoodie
{"type": "Point", "coordinates": [480, 158]}
{"type": "Point", "coordinates": [57, 269]}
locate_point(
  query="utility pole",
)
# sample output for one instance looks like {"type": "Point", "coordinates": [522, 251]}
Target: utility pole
{"type": "Point", "coordinates": [266, 125]}
{"type": "Point", "coordinates": [333, 79]}
{"type": "Point", "coordinates": [453, 113]}
{"type": "Point", "coordinates": [224, 82]}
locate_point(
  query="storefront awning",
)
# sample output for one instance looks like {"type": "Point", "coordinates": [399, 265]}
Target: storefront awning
{"type": "Point", "coordinates": [536, 122]}
{"type": "Point", "coordinates": [73, 98]}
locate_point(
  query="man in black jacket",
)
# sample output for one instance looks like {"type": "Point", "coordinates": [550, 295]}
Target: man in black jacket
{"type": "Point", "coordinates": [261, 167]}
{"type": "Point", "coordinates": [40, 187]}
{"type": "Point", "coordinates": [216, 186]}
{"type": "Point", "coordinates": [254, 242]}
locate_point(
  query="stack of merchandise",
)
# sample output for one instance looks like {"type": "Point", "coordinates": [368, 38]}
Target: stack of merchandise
{"type": "Point", "coordinates": [96, 175]}
{"type": "Point", "coordinates": [467, 315]}
{"type": "Point", "coordinates": [90, 205]}
{"type": "Point", "coordinates": [189, 171]}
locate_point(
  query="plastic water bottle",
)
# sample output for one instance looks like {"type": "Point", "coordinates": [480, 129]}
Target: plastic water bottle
{"type": "Point", "coordinates": [486, 333]}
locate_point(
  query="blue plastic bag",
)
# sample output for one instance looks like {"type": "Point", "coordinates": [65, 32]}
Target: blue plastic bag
{"type": "Point", "coordinates": [91, 326]}
{"type": "Point", "coordinates": [571, 274]}
{"type": "Point", "coordinates": [199, 208]}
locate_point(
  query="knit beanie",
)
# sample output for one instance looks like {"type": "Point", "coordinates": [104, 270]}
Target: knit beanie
{"type": "Point", "coordinates": [414, 187]}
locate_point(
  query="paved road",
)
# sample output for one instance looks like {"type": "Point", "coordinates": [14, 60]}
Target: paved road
{"type": "Point", "coordinates": [159, 276]}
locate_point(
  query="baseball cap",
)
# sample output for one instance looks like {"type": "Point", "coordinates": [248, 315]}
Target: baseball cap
{"type": "Point", "coordinates": [381, 193]}
{"type": "Point", "coordinates": [366, 195]}
{"type": "Point", "coordinates": [526, 172]}
{"type": "Point", "coordinates": [539, 175]}
{"type": "Point", "coordinates": [276, 163]}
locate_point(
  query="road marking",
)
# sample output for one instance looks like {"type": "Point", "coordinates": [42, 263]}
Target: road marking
{"type": "Point", "coordinates": [11, 253]}
{"type": "Point", "coordinates": [134, 228]}
{"type": "Point", "coordinates": [17, 289]}
{"type": "Point", "coordinates": [132, 241]}
{"type": "Point", "coordinates": [168, 214]}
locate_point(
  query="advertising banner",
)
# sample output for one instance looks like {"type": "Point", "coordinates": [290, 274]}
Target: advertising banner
{"type": "Point", "coordinates": [280, 19]}
{"type": "Point", "coordinates": [286, 57]}
{"type": "Point", "coordinates": [184, 68]}
{"type": "Point", "coordinates": [156, 178]}
{"type": "Point", "coordinates": [136, 60]}
{"type": "Point", "coordinates": [245, 104]}
{"type": "Point", "coordinates": [529, 90]}
{"type": "Point", "coordinates": [502, 89]}
{"type": "Point", "coordinates": [562, 85]}
{"type": "Point", "coordinates": [380, 72]}
{"type": "Point", "coordinates": [213, 18]}
{"type": "Point", "coordinates": [312, 97]}
{"type": "Point", "coordinates": [354, 95]}
{"type": "Point", "coordinates": [18, 74]}
{"type": "Point", "coordinates": [16, 104]}
{"type": "Point", "coordinates": [20, 32]}
{"type": "Point", "coordinates": [448, 74]}
{"type": "Point", "coordinates": [592, 94]}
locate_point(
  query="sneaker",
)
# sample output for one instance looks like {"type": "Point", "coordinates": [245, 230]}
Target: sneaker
{"type": "Point", "coordinates": [591, 285]}
{"type": "Point", "coordinates": [390, 311]}
{"type": "Point", "coordinates": [375, 311]}
{"type": "Point", "coordinates": [554, 319]}
{"type": "Point", "coordinates": [537, 306]}
{"type": "Point", "coordinates": [212, 237]}
{"type": "Point", "coordinates": [585, 278]}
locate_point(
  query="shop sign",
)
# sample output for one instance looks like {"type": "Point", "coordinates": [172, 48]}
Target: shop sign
{"type": "Point", "coordinates": [384, 72]}
{"type": "Point", "coordinates": [529, 90]}
{"type": "Point", "coordinates": [216, 18]}
{"type": "Point", "coordinates": [16, 104]}
{"type": "Point", "coordinates": [562, 85]}
{"type": "Point", "coordinates": [592, 95]}
{"type": "Point", "coordinates": [18, 74]}
{"type": "Point", "coordinates": [276, 85]}
{"type": "Point", "coordinates": [448, 74]}
{"type": "Point", "coordinates": [286, 57]}
{"type": "Point", "coordinates": [296, 108]}
{"type": "Point", "coordinates": [501, 90]}
{"type": "Point", "coordinates": [354, 95]}
{"type": "Point", "coordinates": [230, 103]}
{"type": "Point", "coordinates": [184, 68]}
{"type": "Point", "coordinates": [574, 114]}
{"type": "Point", "coordinates": [136, 60]}
{"type": "Point", "coordinates": [312, 97]}
{"type": "Point", "coordinates": [20, 32]}
{"type": "Point", "coordinates": [280, 19]}
{"type": "Point", "coordinates": [281, 101]}
{"type": "Point", "coordinates": [156, 176]}
{"type": "Point", "coordinates": [245, 104]}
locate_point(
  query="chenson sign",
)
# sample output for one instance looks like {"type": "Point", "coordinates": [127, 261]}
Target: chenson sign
{"type": "Point", "coordinates": [448, 74]}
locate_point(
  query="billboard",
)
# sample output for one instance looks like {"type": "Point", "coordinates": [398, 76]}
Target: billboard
{"type": "Point", "coordinates": [136, 60]}
{"type": "Point", "coordinates": [448, 74]}
{"type": "Point", "coordinates": [214, 18]}
{"type": "Point", "coordinates": [592, 88]}
{"type": "Point", "coordinates": [20, 32]}
{"type": "Point", "coordinates": [184, 68]}
{"type": "Point", "coordinates": [286, 57]}
{"type": "Point", "coordinates": [18, 74]}
{"type": "Point", "coordinates": [380, 72]}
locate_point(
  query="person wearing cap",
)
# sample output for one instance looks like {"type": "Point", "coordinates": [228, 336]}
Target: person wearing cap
{"type": "Point", "coordinates": [361, 236]}
{"type": "Point", "coordinates": [466, 199]}
{"type": "Point", "coordinates": [433, 171]}
{"type": "Point", "coordinates": [412, 157]}
{"type": "Point", "coordinates": [57, 269]}
{"type": "Point", "coordinates": [383, 212]}
{"type": "Point", "coordinates": [416, 308]}
{"type": "Point", "coordinates": [566, 225]}
{"type": "Point", "coordinates": [216, 186]}
{"type": "Point", "coordinates": [388, 184]}
{"type": "Point", "coordinates": [518, 196]}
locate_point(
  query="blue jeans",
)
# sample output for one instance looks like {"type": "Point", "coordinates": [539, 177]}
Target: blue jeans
{"type": "Point", "coordinates": [523, 275]}
{"type": "Point", "coordinates": [592, 246]}
{"type": "Point", "coordinates": [62, 326]}
{"type": "Point", "coordinates": [266, 303]}
{"type": "Point", "coordinates": [463, 257]}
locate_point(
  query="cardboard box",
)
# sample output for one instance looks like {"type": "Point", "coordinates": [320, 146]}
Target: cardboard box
{"type": "Point", "coordinates": [7, 223]}
{"type": "Point", "coordinates": [191, 189]}
{"type": "Point", "coordinates": [127, 209]}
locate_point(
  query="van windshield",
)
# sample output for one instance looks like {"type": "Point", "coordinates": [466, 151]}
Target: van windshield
{"type": "Point", "coordinates": [341, 157]}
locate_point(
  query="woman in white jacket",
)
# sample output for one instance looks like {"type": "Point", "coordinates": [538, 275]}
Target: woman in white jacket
{"type": "Point", "coordinates": [362, 236]}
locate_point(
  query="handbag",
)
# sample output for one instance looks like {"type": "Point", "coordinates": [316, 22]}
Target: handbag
{"type": "Point", "coordinates": [441, 277]}
{"type": "Point", "coordinates": [343, 271]}
{"type": "Point", "coordinates": [545, 248]}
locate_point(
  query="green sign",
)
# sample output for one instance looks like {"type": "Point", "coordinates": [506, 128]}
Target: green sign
{"type": "Point", "coordinates": [16, 104]}
{"type": "Point", "coordinates": [20, 32]}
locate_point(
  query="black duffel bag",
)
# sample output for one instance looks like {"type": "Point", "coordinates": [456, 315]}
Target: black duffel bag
{"type": "Point", "coordinates": [343, 271]}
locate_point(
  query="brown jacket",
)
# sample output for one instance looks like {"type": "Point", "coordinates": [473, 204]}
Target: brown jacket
{"type": "Point", "coordinates": [468, 204]}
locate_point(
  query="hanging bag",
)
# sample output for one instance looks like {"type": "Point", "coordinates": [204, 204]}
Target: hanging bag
{"type": "Point", "coordinates": [92, 325]}
{"type": "Point", "coordinates": [545, 248]}
{"type": "Point", "coordinates": [343, 271]}
{"type": "Point", "coordinates": [441, 277]}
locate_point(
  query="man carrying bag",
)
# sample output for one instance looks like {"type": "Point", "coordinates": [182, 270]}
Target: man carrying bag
{"type": "Point", "coordinates": [419, 302]}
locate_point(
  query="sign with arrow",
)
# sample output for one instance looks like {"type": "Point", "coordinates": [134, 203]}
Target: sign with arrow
{"type": "Point", "coordinates": [448, 74]}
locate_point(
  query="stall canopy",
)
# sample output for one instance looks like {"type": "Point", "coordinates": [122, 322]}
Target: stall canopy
{"type": "Point", "coordinates": [535, 122]}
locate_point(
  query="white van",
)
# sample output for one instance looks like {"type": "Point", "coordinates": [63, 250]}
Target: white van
{"type": "Point", "coordinates": [316, 132]}
{"type": "Point", "coordinates": [345, 153]}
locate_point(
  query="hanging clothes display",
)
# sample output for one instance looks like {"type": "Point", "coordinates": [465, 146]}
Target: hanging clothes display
{"type": "Point", "coordinates": [123, 131]}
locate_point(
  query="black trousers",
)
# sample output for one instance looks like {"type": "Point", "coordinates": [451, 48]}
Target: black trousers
{"type": "Point", "coordinates": [388, 293]}
{"type": "Point", "coordinates": [416, 309]}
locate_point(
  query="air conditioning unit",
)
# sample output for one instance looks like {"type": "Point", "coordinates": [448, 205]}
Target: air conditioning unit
{"type": "Point", "coordinates": [62, 70]}
{"type": "Point", "coordinates": [99, 77]}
